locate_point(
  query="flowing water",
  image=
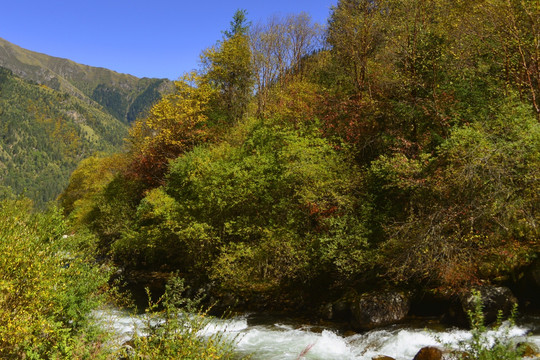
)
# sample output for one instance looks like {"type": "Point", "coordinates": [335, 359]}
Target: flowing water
{"type": "Point", "coordinates": [281, 339]}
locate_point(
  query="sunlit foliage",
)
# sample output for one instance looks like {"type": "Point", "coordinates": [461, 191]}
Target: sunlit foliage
{"type": "Point", "coordinates": [48, 286]}
{"type": "Point", "coordinates": [402, 152]}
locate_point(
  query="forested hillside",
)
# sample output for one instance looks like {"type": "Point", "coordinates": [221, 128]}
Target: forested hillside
{"type": "Point", "coordinates": [44, 134]}
{"type": "Point", "coordinates": [124, 96]}
{"type": "Point", "coordinates": [55, 112]}
{"type": "Point", "coordinates": [399, 147]}
{"type": "Point", "coordinates": [382, 162]}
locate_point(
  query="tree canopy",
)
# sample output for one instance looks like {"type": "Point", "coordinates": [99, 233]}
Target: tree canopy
{"type": "Point", "coordinates": [399, 146]}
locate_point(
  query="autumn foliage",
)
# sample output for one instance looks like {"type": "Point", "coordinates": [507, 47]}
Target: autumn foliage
{"type": "Point", "coordinates": [175, 125]}
{"type": "Point", "coordinates": [400, 149]}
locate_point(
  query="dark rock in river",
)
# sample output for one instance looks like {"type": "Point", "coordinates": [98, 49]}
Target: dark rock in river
{"type": "Point", "coordinates": [379, 308]}
{"type": "Point", "coordinates": [339, 310]}
{"type": "Point", "coordinates": [435, 353]}
{"type": "Point", "coordinates": [429, 353]}
{"type": "Point", "coordinates": [528, 350]}
{"type": "Point", "coordinates": [494, 299]}
{"type": "Point", "coordinates": [382, 357]}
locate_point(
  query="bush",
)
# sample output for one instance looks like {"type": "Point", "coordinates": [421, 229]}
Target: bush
{"type": "Point", "coordinates": [480, 346]}
{"type": "Point", "coordinates": [275, 209]}
{"type": "Point", "coordinates": [174, 325]}
{"type": "Point", "coordinates": [48, 286]}
{"type": "Point", "coordinates": [467, 213]}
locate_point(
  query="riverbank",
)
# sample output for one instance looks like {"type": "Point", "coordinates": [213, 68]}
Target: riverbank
{"type": "Point", "coordinates": [354, 311]}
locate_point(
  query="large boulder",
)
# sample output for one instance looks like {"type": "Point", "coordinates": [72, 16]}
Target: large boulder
{"type": "Point", "coordinates": [493, 298]}
{"type": "Point", "coordinates": [376, 309]}
{"type": "Point", "coordinates": [435, 353]}
{"type": "Point", "coordinates": [339, 310]}
{"type": "Point", "coordinates": [429, 353]}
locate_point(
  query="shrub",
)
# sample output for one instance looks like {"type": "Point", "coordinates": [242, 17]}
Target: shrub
{"type": "Point", "coordinates": [48, 286]}
{"type": "Point", "coordinates": [480, 346]}
{"type": "Point", "coordinates": [174, 325]}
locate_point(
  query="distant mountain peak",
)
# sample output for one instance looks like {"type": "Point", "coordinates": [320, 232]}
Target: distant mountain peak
{"type": "Point", "coordinates": [124, 96]}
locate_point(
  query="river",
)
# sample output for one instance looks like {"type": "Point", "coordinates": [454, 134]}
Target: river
{"type": "Point", "coordinates": [275, 338]}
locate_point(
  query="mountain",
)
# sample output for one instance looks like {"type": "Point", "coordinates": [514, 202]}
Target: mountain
{"type": "Point", "coordinates": [55, 112]}
{"type": "Point", "coordinates": [44, 133]}
{"type": "Point", "coordinates": [124, 96]}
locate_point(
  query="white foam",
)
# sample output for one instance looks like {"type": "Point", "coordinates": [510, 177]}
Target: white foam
{"type": "Point", "coordinates": [226, 326]}
{"type": "Point", "coordinates": [120, 324]}
{"type": "Point", "coordinates": [399, 344]}
{"type": "Point", "coordinates": [284, 341]}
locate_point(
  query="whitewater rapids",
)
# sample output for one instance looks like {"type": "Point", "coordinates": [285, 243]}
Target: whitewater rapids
{"type": "Point", "coordinates": [286, 340]}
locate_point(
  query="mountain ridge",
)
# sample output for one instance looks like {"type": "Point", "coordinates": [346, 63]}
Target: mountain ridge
{"type": "Point", "coordinates": [55, 112]}
{"type": "Point", "coordinates": [44, 133]}
{"type": "Point", "coordinates": [124, 96]}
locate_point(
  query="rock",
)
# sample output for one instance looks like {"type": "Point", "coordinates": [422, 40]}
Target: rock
{"type": "Point", "coordinates": [429, 353]}
{"type": "Point", "coordinates": [127, 351]}
{"type": "Point", "coordinates": [494, 299]}
{"type": "Point", "coordinates": [528, 350]}
{"type": "Point", "coordinates": [382, 357]}
{"type": "Point", "coordinates": [379, 308]}
{"type": "Point", "coordinates": [327, 311]}
{"type": "Point", "coordinates": [435, 353]}
{"type": "Point", "coordinates": [341, 310]}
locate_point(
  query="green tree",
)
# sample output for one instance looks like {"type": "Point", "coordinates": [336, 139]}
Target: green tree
{"type": "Point", "coordinates": [510, 32]}
{"type": "Point", "coordinates": [227, 67]}
{"type": "Point", "coordinates": [239, 24]}
{"type": "Point", "coordinates": [255, 216]}
{"type": "Point", "coordinates": [90, 177]}
{"type": "Point", "coordinates": [470, 213]}
{"type": "Point", "coordinates": [355, 32]}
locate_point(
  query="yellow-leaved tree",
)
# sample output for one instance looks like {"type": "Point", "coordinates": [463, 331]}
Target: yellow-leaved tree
{"type": "Point", "coordinates": [204, 101]}
{"type": "Point", "coordinates": [175, 125]}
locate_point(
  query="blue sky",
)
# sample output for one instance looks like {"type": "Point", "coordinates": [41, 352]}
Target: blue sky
{"type": "Point", "coordinates": [154, 38]}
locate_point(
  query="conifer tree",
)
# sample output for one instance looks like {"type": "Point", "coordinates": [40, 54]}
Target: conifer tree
{"type": "Point", "coordinates": [228, 67]}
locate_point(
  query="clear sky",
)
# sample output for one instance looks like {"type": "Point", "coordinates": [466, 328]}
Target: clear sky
{"type": "Point", "coordinates": [152, 38]}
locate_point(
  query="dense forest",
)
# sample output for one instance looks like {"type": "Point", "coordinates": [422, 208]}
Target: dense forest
{"type": "Point", "coordinates": [55, 112]}
{"type": "Point", "coordinates": [395, 147]}
{"type": "Point", "coordinates": [45, 134]}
